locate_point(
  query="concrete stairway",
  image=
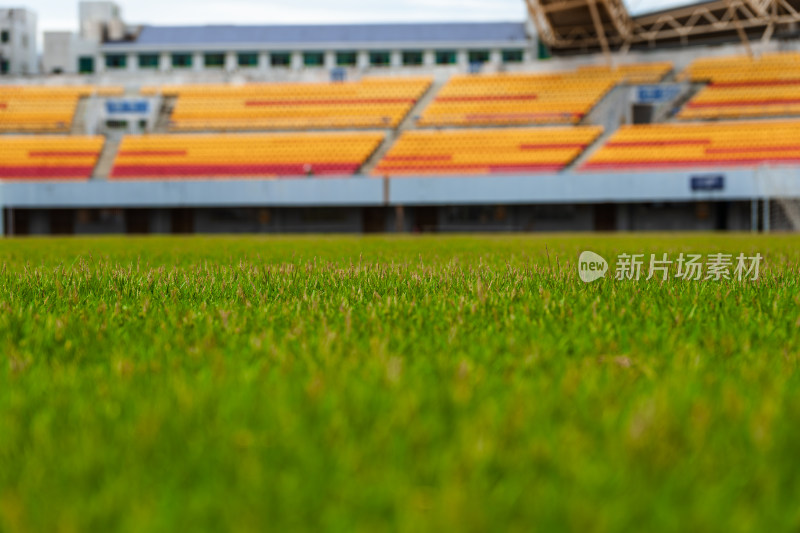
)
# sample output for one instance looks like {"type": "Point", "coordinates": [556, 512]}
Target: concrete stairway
{"type": "Point", "coordinates": [416, 111]}
{"type": "Point", "coordinates": [665, 113]}
{"type": "Point", "coordinates": [167, 106]}
{"type": "Point", "coordinates": [102, 170]}
{"type": "Point", "coordinates": [587, 153]}
{"type": "Point", "coordinates": [408, 122]}
{"type": "Point", "coordinates": [78, 126]}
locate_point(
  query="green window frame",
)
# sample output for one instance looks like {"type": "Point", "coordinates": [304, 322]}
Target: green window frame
{"type": "Point", "coordinates": [446, 57]}
{"type": "Point", "coordinates": [247, 59]}
{"type": "Point", "coordinates": [380, 58]}
{"type": "Point", "coordinates": [148, 60]}
{"type": "Point", "coordinates": [346, 59]}
{"type": "Point", "coordinates": [181, 60]}
{"type": "Point", "coordinates": [86, 65]}
{"type": "Point", "coordinates": [513, 56]}
{"type": "Point", "coordinates": [5, 36]}
{"type": "Point", "coordinates": [478, 56]}
{"type": "Point", "coordinates": [214, 60]}
{"type": "Point", "coordinates": [280, 59]}
{"type": "Point", "coordinates": [542, 50]}
{"type": "Point", "coordinates": [116, 61]}
{"type": "Point", "coordinates": [3, 66]}
{"type": "Point", "coordinates": [413, 58]}
{"type": "Point", "coordinates": [314, 59]}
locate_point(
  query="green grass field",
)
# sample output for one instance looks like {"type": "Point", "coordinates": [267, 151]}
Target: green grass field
{"type": "Point", "coordinates": [394, 384]}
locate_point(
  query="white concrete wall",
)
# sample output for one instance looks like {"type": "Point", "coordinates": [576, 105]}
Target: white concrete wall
{"type": "Point", "coordinates": [57, 54]}
{"type": "Point", "coordinates": [20, 50]}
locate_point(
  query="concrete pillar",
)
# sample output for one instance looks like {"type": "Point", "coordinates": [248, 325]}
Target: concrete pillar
{"type": "Point", "coordinates": [528, 56]}
{"type": "Point", "coordinates": [396, 58]}
{"type": "Point", "coordinates": [462, 58]}
{"type": "Point", "coordinates": [197, 61]}
{"type": "Point", "coordinates": [133, 62]}
{"type": "Point", "coordinates": [165, 61]}
{"type": "Point", "coordinates": [263, 61]}
{"type": "Point", "coordinates": [231, 61]}
{"type": "Point", "coordinates": [297, 60]}
{"type": "Point", "coordinates": [330, 59]}
{"type": "Point", "coordinates": [362, 59]}
{"type": "Point", "coordinates": [429, 58]}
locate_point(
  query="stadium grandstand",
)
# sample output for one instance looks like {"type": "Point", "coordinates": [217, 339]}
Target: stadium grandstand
{"type": "Point", "coordinates": [581, 118]}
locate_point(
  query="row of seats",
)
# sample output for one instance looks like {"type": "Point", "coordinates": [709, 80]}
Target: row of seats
{"type": "Point", "coordinates": [743, 86]}
{"type": "Point", "coordinates": [632, 73]}
{"type": "Point", "coordinates": [416, 152]}
{"type": "Point", "coordinates": [243, 155]}
{"type": "Point", "coordinates": [528, 98]}
{"type": "Point", "coordinates": [684, 145]}
{"type": "Point", "coordinates": [486, 151]}
{"type": "Point", "coordinates": [43, 108]}
{"type": "Point", "coordinates": [368, 103]}
{"type": "Point", "coordinates": [24, 157]}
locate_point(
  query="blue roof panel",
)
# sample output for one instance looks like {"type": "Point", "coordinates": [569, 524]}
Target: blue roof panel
{"type": "Point", "coordinates": [346, 33]}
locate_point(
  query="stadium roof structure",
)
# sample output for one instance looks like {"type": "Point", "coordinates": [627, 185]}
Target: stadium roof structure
{"type": "Point", "coordinates": [583, 25]}
{"type": "Point", "coordinates": [477, 33]}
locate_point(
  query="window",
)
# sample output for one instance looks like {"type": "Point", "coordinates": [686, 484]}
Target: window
{"type": "Point", "coordinates": [181, 60]}
{"type": "Point", "coordinates": [4, 36]}
{"type": "Point", "coordinates": [445, 57]}
{"type": "Point", "coordinates": [116, 61]}
{"type": "Point", "coordinates": [478, 56]}
{"type": "Point", "coordinates": [3, 66]}
{"type": "Point", "coordinates": [148, 60]}
{"type": "Point", "coordinates": [380, 59]}
{"type": "Point", "coordinates": [86, 64]}
{"type": "Point", "coordinates": [512, 56]}
{"type": "Point", "coordinates": [281, 59]}
{"type": "Point", "coordinates": [313, 59]}
{"type": "Point", "coordinates": [543, 52]}
{"type": "Point", "coordinates": [346, 59]}
{"type": "Point", "coordinates": [214, 60]}
{"type": "Point", "coordinates": [247, 59]}
{"type": "Point", "coordinates": [412, 58]}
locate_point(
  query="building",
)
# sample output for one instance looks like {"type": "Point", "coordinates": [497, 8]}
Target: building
{"type": "Point", "coordinates": [106, 44]}
{"type": "Point", "coordinates": [18, 41]}
{"type": "Point", "coordinates": [67, 52]}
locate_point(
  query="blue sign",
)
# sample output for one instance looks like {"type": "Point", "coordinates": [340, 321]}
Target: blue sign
{"type": "Point", "coordinates": [338, 74]}
{"type": "Point", "coordinates": [711, 182]}
{"type": "Point", "coordinates": [656, 94]}
{"type": "Point", "coordinates": [138, 107]}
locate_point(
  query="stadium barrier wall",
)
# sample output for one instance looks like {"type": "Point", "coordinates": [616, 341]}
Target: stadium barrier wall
{"type": "Point", "coordinates": [373, 192]}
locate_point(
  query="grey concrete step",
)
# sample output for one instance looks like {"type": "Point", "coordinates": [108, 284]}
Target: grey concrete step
{"type": "Point", "coordinates": [102, 170]}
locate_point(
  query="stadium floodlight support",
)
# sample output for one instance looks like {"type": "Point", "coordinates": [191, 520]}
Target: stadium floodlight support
{"type": "Point", "coordinates": [606, 24]}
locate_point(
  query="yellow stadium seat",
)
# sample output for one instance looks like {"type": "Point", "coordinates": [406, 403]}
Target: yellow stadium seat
{"type": "Point", "coordinates": [530, 98]}
{"type": "Point", "coordinates": [25, 157]}
{"type": "Point", "coordinates": [741, 86]}
{"type": "Point", "coordinates": [243, 155]}
{"type": "Point", "coordinates": [43, 108]}
{"type": "Point", "coordinates": [691, 145]}
{"type": "Point", "coordinates": [486, 151]}
{"type": "Point", "coordinates": [368, 103]}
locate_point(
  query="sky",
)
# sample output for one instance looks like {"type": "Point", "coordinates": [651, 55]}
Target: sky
{"type": "Point", "coordinates": [63, 14]}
